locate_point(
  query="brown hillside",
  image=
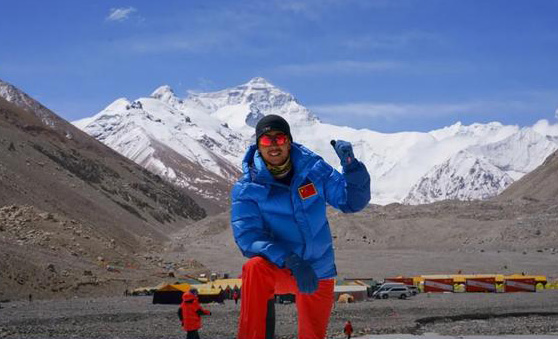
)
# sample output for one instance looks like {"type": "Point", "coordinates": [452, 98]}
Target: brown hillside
{"type": "Point", "coordinates": [539, 185]}
{"type": "Point", "coordinates": [70, 207]}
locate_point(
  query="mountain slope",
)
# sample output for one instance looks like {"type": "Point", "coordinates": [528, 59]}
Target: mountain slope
{"type": "Point", "coordinates": [68, 201]}
{"type": "Point", "coordinates": [518, 154]}
{"type": "Point", "coordinates": [151, 131]}
{"type": "Point", "coordinates": [539, 185]}
{"type": "Point", "coordinates": [462, 177]}
{"type": "Point", "coordinates": [11, 94]}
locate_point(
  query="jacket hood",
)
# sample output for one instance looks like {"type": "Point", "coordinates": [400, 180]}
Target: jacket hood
{"type": "Point", "coordinates": [188, 296]}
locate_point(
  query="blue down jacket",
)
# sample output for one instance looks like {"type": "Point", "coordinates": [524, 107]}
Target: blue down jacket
{"type": "Point", "coordinates": [273, 220]}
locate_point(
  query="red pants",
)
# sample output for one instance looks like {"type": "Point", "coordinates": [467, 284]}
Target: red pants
{"type": "Point", "coordinates": [261, 280]}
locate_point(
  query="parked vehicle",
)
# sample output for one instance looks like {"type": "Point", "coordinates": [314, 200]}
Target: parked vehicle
{"type": "Point", "coordinates": [387, 285]}
{"type": "Point", "coordinates": [401, 292]}
{"type": "Point", "coordinates": [414, 290]}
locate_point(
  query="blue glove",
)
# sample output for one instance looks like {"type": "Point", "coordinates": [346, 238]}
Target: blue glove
{"type": "Point", "coordinates": [306, 278]}
{"type": "Point", "coordinates": [344, 151]}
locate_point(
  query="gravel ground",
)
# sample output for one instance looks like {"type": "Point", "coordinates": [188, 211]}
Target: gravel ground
{"type": "Point", "coordinates": [137, 317]}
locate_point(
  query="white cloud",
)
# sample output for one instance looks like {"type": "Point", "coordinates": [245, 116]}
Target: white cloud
{"type": "Point", "coordinates": [392, 41]}
{"type": "Point", "coordinates": [390, 110]}
{"type": "Point", "coordinates": [293, 6]}
{"type": "Point", "coordinates": [313, 8]}
{"type": "Point", "coordinates": [176, 42]}
{"type": "Point", "coordinates": [190, 33]}
{"type": "Point", "coordinates": [338, 67]}
{"type": "Point", "coordinates": [545, 128]}
{"type": "Point", "coordinates": [120, 14]}
{"type": "Point", "coordinates": [203, 85]}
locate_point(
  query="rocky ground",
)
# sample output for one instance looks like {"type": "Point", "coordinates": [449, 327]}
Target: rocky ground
{"type": "Point", "coordinates": [50, 255]}
{"type": "Point", "coordinates": [137, 317]}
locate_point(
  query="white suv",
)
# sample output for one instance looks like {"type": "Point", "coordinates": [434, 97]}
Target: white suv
{"type": "Point", "coordinates": [386, 286]}
{"type": "Point", "coordinates": [401, 292]}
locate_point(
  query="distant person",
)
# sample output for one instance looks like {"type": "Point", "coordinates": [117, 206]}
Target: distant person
{"type": "Point", "coordinates": [190, 312]}
{"type": "Point", "coordinates": [221, 297]}
{"type": "Point", "coordinates": [235, 297]}
{"type": "Point", "coordinates": [30, 297]}
{"type": "Point", "coordinates": [228, 292]}
{"type": "Point", "coordinates": [279, 221]}
{"type": "Point", "coordinates": [348, 329]}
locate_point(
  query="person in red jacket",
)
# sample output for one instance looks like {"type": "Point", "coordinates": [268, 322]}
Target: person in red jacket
{"type": "Point", "coordinates": [348, 329]}
{"type": "Point", "coordinates": [236, 296]}
{"type": "Point", "coordinates": [190, 313]}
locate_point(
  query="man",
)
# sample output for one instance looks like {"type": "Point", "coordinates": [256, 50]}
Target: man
{"type": "Point", "coordinates": [348, 329]}
{"type": "Point", "coordinates": [279, 221]}
{"type": "Point", "coordinates": [190, 313]}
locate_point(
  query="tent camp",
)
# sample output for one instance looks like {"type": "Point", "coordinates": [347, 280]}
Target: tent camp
{"type": "Point", "coordinates": [170, 294]}
{"type": "Point", "coordinates": [224, 283]}
{"type": "Point", "coordinates": [227, 285]}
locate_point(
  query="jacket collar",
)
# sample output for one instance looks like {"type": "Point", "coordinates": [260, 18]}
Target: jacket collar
{"type": "Point", "coordinates": [254, 168]}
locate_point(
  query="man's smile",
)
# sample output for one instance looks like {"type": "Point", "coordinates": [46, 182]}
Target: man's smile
{"type": "Point", "coordinates": [275, 152]}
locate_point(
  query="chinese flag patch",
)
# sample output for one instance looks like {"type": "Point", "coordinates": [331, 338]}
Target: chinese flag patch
{"type": "Point", "coordinates": [307, 191]}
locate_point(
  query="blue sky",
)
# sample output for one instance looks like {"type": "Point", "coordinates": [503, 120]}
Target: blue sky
{"type": "Point", "coordinates": [386, 65]}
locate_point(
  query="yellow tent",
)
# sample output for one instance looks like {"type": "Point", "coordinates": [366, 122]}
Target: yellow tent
{"type": "Point", "coordinates": [208, 290]}
{"type": "Point", "coordinates": [174, 288]}
{"type": "Point", "coordinates": [170, 294]}
{"type": "Point", "coordinates": [208, 293]}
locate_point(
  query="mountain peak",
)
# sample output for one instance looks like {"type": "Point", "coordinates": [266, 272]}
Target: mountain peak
{"type": "Point", "coordinates": [164, 91]}
{"type": "Point", "coordinates": [19, 98]}
{"type": "Point", "coordinates": [166, 95]}
{"type": "Point", "coordinates": [117, 105]}
{"type": "Point", "coordinates": [259, 81]}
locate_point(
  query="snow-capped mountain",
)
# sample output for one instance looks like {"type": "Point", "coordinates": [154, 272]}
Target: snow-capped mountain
{"type": "Point", "coordinates": [197, 142]}
{"type": "Point", "coordinates": [496, 165]}
{"type": "Point", "coordinates": [243, 106]}
{"type": "Point", "coordinates": [187, 147]}
{"type": "Point", "coordinates": [518, 154]}
{"type": "Point", "coordinates": [210, 131]}
{"type": "Point", "coordinates": [464, 176]}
